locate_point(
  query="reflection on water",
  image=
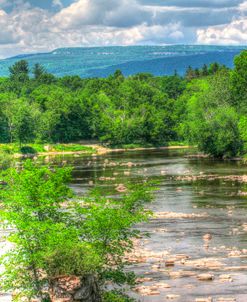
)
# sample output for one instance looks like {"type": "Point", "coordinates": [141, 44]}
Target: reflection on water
{"type": "Point", "coordinates": [224, 218]}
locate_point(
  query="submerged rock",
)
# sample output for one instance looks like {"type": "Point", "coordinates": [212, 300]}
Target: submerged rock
{"type": "Point", "coordinates": [170, 262]}
{"type": "Point", "coordinates": [234, 253]}
{"type": "Point", "coordinates": [148, 290]}
{"type": "Point", "coordinates": [207, 237]}
{"type": "Point", "coordinates": [163, 285]}
{"type": "Point", "coordinates": [142, 280]}
{"type": "Point", "coordinates": [225, 299]}
{"type": "Point", "coordinates": [205, 277]}
{"type": "Point", "coordinates": [121, 188]}
{"type": "Point", "coordinates": [174, 215]}
{"type": "Point", "coordinates": [209, 263]}
{"type": "Point", "coordinates": [208, 299]}
{"type": "Point", "coordinates": [181, 274]}
{"type": "Point", "coordinates": [172, 297]}
{"type": "Point", "coordinates": [225, 278]}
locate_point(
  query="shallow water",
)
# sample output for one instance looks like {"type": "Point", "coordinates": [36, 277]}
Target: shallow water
{"type": "Point", "coordinates": [224, 213]}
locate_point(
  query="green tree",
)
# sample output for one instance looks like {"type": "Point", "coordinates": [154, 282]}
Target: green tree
{"type": "Point", "coordinates": [239, 82]}
{"type": "Point", "coordinates": [213, 68]}
{"type": "Point", "coordinates": [21, 120]}
{"type": "Point", "coordinates": [205, 71]}
{"type": "Point", "coordinates": [218, 133]}
{"type": "Point", "coordinates": [56, 236]}
{"type": "Point", "coordinates": [38, 71]}
{"type": "Point", "coordinates": [19, 71]}
{"type": "Point", "coordinates": [243, 130]}
{"type": "Point", "coordinates": [190, 73]}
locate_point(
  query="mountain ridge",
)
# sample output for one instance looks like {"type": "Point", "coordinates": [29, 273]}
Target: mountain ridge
{"type": "Point", "coordinates": [102, 61]}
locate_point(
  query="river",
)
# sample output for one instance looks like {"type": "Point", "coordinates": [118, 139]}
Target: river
{"type": "Point", "coordinates": [195, 197]}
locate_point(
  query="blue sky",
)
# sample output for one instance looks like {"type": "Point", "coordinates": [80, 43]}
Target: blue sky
{"type": "Point", "coordinates": [42, 25]}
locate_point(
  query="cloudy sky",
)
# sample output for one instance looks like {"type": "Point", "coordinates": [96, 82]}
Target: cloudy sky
{"type": "Point", "coordinates": [43, 25]}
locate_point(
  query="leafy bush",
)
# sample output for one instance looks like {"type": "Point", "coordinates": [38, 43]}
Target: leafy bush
{"type": "Point", "coordinates": [27, 150]}
{"type": "Point", "coordinates": [218, 135]}
{"type": "Point", "coordinates": [55, 235]}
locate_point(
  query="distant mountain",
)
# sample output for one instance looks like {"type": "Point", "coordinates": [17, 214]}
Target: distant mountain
{"type": "Point", "coordinates": [103, 61]}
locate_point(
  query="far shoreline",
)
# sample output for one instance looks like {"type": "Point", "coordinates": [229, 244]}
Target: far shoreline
{"type": "Point", "coordinates": [99, 150]}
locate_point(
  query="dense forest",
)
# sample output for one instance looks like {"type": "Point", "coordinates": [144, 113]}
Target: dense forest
{"type": "Point", "coordinates": [206, 107]}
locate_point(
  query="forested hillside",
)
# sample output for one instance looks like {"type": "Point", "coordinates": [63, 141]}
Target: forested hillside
{"type": "Point", "coordinates": [207, 108]}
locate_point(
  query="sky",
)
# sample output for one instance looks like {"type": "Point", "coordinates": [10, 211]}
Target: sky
{"type": "Point", "coordinates": [30, 26]}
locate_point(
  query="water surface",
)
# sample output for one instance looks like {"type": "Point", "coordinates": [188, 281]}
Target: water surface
{"type": "Point", "coordinates": [219, 200]}
{"type": "Point", "coordinates": [217, 205]}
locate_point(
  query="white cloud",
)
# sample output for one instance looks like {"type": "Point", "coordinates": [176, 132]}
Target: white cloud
{"type": "Point", "coordinates": [84, 23]}
{"type": "Point", "coordinates": [243, 6]}
{"type": "Point", "coordinates": [100, 12]}
{"type": "Point", "coordinates": [234, 33]}
{"type": "Point", "coordinates": [9, 35]}
{"type": "Point", "coordinates": [27, 28]}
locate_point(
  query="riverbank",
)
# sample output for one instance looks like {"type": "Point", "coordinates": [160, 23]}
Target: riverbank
{"type": "Point", "coordinates": [104, 150]}
{"type": "Point", "coordinates": [32, 150]}
{"type": "Point", "coordinates": [10, 151]}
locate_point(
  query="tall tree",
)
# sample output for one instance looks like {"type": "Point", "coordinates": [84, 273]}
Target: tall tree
{"type": "Point", "coordinates": [19, 71]}
{"type": "Point", "coordinates": [38, 71]}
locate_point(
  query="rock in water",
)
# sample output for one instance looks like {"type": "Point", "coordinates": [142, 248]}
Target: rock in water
{"type": "Point", "coordinates": [225, 278]}
{"type": "Point", "coordinates": [225, 299]}
{"type": "Point", "coordinates": [170, 262]}
{"type": "Point", "coordinates": [75, 289]}
{"type": "Point", "coordinates": [208, 299]}
{"type": "Point", "coordinates": [172, 297]}
{"type": "Point", "coordinates": [205, 277]}
{"type": "Point", "coordinates": [207, 237]}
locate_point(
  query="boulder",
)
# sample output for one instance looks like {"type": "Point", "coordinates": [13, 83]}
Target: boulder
{"type": "Point", "coordinates": [75, 289]}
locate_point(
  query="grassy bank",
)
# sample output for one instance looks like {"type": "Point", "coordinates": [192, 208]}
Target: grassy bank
{"type": "Point", "coordinates": [43, 148]}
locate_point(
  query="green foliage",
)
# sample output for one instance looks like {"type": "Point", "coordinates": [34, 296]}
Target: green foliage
{"type": "Point", "coordinates": [19, 71]}
{"type": "Point", "coordinates": [141, 110]}
{"type": "Point", "coordinates": [210, 119]}
{"type": "Point", "coordinates": [243, 131]}
{"type": "Point", "coordinates": [218, 133]}
{"type": "Point", "coordinates": [116, 296]}
{"type": "Point", "coordinates": [239, 82]}
{"type": "Point", "coordinates": [40, 148]}
{"type": "Point", "coordinates": [55, 235]}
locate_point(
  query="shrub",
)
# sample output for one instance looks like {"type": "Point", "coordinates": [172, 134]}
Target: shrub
{"type": "Point", "coordinates": [58, 236]}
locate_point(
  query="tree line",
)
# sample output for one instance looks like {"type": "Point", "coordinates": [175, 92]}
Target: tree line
{"type": "Point", "coordinates": [206, 107]}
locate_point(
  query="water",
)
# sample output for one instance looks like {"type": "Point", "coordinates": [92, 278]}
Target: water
{"type": "Point", "coordinates": [103, 61]}
{"type": "Point", "coordinates": [218, 209]}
